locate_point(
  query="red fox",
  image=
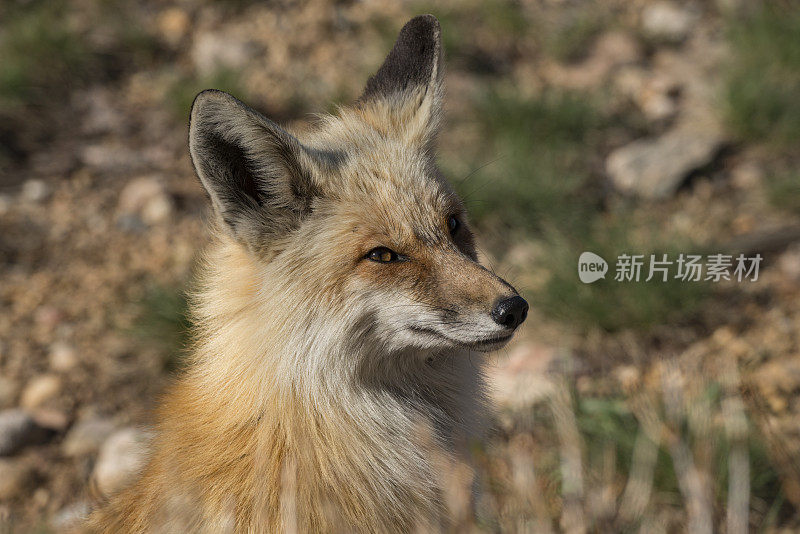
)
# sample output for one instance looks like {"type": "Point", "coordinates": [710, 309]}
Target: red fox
{"type": "Point", "coordinates": [340, 316]}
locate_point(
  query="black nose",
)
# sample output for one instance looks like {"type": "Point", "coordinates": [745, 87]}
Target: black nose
{"type": "Point", "coordinates": [510, 312]}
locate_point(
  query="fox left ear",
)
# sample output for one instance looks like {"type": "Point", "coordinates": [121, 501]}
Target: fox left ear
{"type": "Point", "coordinates": [261, 180]}
{"type": "Point", "coordinates": [404, 98]}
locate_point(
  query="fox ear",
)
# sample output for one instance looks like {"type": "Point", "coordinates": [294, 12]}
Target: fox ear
{"type": "Point", "coordinates": [259, 177]}
{"type": "Point", "coordinates": [404, 98]}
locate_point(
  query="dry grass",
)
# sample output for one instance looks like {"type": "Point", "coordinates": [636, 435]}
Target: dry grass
{"type": "Point", "coordinates": [689, 467]}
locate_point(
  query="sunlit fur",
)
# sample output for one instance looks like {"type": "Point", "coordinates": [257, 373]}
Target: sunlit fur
{"type": "Point", "coordinates": [328, 392]}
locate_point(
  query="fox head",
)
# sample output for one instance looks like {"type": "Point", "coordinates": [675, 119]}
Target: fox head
{"type": "Point", "coordinates": [354, 226]}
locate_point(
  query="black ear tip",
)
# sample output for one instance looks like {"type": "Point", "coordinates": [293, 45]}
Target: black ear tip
{"type": "Point", "coordinates": [424, 21]}
{"type": "Point", "coordinates": [413, 60]}
{"type": "Point", "coordinates": [422, 27]}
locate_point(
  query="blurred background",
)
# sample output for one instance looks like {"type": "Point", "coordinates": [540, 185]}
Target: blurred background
{"type": "Point", "coordinates": [614, 127]}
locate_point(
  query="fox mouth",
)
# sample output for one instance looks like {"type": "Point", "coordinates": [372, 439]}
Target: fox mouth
{"type": "Point", "coordinates": [483, 345]}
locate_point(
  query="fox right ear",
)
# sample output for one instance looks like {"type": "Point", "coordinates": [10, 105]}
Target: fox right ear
{"type": "Point", "coordinates": [404, 98]}
{"type": "Point", "coordinates": [259, 177]}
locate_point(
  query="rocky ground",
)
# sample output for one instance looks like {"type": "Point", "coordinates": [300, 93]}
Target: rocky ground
{"type": "Point", "coordinates": [690, 422]}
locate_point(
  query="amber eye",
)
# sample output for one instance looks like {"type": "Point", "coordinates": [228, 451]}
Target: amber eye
{"type": "Point", "coordinates": [382, 255]}
{"type": "Point", "coordinates": [453, 224]}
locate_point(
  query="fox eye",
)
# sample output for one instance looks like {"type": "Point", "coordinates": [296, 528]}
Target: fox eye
{"type": "Point", "coordinates": [382, 255]}
{"type": "Point", "coordinates": [453, 224]}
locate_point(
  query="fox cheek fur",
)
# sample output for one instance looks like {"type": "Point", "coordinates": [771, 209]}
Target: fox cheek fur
{"type": "Point", "coordinates": [342, 266]}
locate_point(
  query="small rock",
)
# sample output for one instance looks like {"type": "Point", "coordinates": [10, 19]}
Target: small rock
{"type": "Point", "coordinates": [658, 99]}
{"type": "Point", "coordinates": [19, 430]}
{"type": "Point", "coordinates": [777, 403]}
{"type": "Point", "coordinates": [15, 479]}
{"type": "Point", "coordinates": [121, 458]}
{"type": "Point", "coordinates": [147, 198]}
{"type": "Point", "coordinates": [70, 516]}
{"type": "Point", "coordinates": [667, 22]}
{"type": "Point", "coordinates": [40, 497]}
{"type": "Point", "coordinates": [48, 317]}
{"type": "Point", "coordinates": [63, 357]}
{"type": "Point", "coordinates": [157, 209]}
{"type": "Point", "coordinates": [747, 175]}
{"type": "Point", "coordinates": [655, 168]}
{"type": "Point", "coordinates": [212, 52]}
{"type": "Point", "coordinates": [54, 420]}
{"type": "Point", "coordinates": [86, 436]}
{"type": "Point", "coordinates": [40, 390]}
{"type": "Point", "coordinates": [172, 25]}
{"type": "Point", "coordinates": [35, 190]}
{"type": "Point", "coordinates": [657, 96]}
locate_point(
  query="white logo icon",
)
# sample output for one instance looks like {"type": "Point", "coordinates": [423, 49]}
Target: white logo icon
{"type": "Point", "coordinates": [591, 267]}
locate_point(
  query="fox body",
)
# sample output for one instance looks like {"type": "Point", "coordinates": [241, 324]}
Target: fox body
{"type": "Point", "coordinates": [341, 313]}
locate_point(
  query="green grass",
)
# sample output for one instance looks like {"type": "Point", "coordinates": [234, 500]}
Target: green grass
{"type": "Point", "coordinates": [607, 303]}
{"type": "Point", "coordinates": [182, 92]}
{"type": "Point", "coordinates": [163, 322]}
{"type": "Point", "coordinates": [763, 80]}
{"type": "Point", "coordinates": [783, 191]}
{"type": "Point", "coordinates": [536, 159]}
{"type": "Point", "coordinates": [47, 51]}
{"type": "Point", "coordinates": [570, 40]}
{"type": "Point", "coordinates": [39, 52]}
{"type": "Point", "coordinates": [44, 53]}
